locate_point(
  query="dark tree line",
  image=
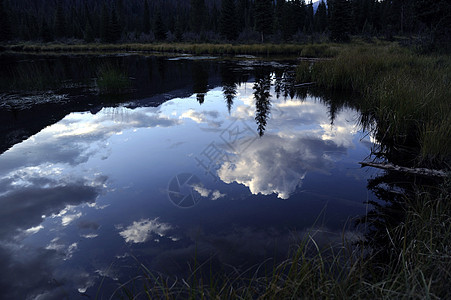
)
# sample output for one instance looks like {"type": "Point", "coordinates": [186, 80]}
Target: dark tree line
{"type": "Point", "coordinates": [112, 21]}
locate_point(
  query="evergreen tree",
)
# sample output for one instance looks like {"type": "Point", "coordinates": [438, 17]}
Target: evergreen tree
{"type": "Point", "coordinates": [300, 15]}
{"type": "Point", "coordinates": [362, 12]}
{"type": "Point", "coordinates": [263, 17]}
{"type": "Point", "coordinates": [87, 17]}
{"type": "Point", "coordinates": [243, 14]}
{"type": "Point", "coordinates": [45, 32]}
{"type": "Point", "coordinates": [279, 15]}
{"type": "Point", "coordinates": [287, 22]}
{"type": "Point", "coordinates": [120, 13]}
{"type": "Point", "coordinates": [114, 29]}
{"type": "Point", "coordinates": [321, 17]}
{"type": "Point", "coordinates": [309, 17]}
{"type": "Point", "coordinates": [160, 30]}
{"type": "Point", "coordinates": [88, 34]}
{"type": "Point", "coordinates": [146, 18]}
{"type": "Point", "coordinates": [33, 27]}
{"type": "Point", "coordinates": [178, 28]}
{"type": "Point", "coordinates": [5, 25]}
{"type": "Point", "coordinates": [436, 17]}
{"type": "Point", "coordinates": [60, 22]}
{"type": "Point", "coordinates": [294, 17]}
{"type": "Point", "coordinates": [227, 25]}
{"type": "Point", "coordinates": [76, 29]}
{"type": "Point", "coordinates": [435, 14]}
{"type": "Point", "coordinates": [375, 15]}
{"type": "Point", "coordinates": [197, 15]}
{"type": "Point", "coordinates": [104, 24]}
{"type": "Point", "coordinates": [90, 19]}
{"type": "Point", "coordinates": [214, 19]}
{"type": "Point", "coordinates": [340, 20]}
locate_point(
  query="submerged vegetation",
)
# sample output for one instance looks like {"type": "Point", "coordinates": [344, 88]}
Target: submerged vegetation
{"type": "Point", "coordinates": [407, 95]}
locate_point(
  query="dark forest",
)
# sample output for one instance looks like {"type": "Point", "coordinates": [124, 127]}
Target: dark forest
{"type": "Point", "coordinates": [242, 21]}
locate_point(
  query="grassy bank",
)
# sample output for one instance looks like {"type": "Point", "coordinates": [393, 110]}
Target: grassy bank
{"type": "Point", "coordinates": [307, 50]}
{"type": "Point", "coordinates": [406, 94]}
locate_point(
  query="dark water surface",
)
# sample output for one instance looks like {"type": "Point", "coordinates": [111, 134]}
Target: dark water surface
{"type": "Point", "coordinates": [225, 162]}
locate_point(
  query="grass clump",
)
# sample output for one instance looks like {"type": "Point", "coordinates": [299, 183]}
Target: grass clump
{"type": "Point", "coordinates": [408, 95]}
{"type": "Point", "coordinates": [112, 80]}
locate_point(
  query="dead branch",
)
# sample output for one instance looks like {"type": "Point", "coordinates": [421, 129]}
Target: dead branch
{"type": "Point", "coordinates": [304, 84]}
{"type": "Point", "coordinates": [417, 171]}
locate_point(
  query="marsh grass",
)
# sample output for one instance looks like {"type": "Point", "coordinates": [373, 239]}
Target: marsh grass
{"type": "Point", "coordinates": [315, 50]}
{"type": "Point", "coordinates": [420, 257]}
{"type": "Point", "coordinates": [112, 80]}
{"type": "Point", "coordinates": [408, 95]}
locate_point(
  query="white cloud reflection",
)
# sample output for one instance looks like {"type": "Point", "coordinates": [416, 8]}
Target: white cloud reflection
{"type": "Point", "coordinates": [141, 231]}
{"type": "Point", "coordinates": [34, 230]}
{"type": "Point", "coordinates": [66, 250]}
{"type": "Point", "coordinates": [204, 192]}
{"type": "Point", "coordinates": [67, 219]}
{"type": "Point", "coordinates": [299, 139]}
{"type": "Point", "coordinates": [208, 117]}
{"type": "Point", "coordinates": [77, 137]}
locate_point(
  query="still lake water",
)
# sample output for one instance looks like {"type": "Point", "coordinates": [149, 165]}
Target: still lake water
{"type": "Point", "coordinates": [225, 162]}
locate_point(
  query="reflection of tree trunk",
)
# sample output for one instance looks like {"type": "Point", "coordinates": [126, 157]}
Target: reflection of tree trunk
{"type": "Point", "coordinates": [416, 171]}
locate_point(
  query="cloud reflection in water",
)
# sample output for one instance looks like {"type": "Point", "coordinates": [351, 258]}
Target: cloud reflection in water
{"type": "Point", "coordinates": [50, 175]}
{"type": "Point", "coordinates": [141, 231]}
{"type": "Point", "coordinates": [299, 139]}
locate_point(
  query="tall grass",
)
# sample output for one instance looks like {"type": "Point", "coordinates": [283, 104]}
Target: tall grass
{"type": "Point", "coordinates": [418, 248]}
{"type": "Point", "coordinates": [315, 50]}
{"type": "Point", "coordinates": [112, 80]}
{"type": "Point", "coordinates": [408, 95]}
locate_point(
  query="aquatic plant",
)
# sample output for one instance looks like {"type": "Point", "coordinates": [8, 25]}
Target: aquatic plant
{"type": "Point", "coordinates": [111, 79]}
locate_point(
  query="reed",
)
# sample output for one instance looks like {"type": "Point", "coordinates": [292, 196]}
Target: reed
{"type": "Point", "coordinates": [112, 80]}
{"type": "Point", "coordinates": [408, 95]}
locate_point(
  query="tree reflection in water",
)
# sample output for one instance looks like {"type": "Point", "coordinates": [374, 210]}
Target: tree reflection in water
{"type": "Point", "coordinates": [200, 81]}
{"type": "Point", "coordinates": [262, 94]}
{"type": "Point", "coordinates": [229, 85]}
